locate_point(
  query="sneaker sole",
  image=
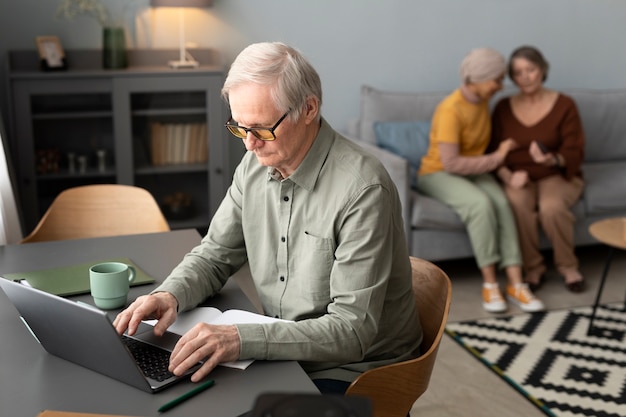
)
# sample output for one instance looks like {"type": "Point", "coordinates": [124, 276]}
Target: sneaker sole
{"type": "Point", "coordinates": [524, 307]}
{"type": "Point", "coordinates": [494, 309]}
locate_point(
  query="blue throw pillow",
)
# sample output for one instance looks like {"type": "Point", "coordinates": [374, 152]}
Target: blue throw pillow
{"type": "Point", "coordinates": [406, 139]}
{"type": "Point", "coordinates": [409, 140]}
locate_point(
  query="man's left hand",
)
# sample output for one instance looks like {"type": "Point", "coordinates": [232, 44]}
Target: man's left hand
{"type": "Point", "coordinates": [212, 343]}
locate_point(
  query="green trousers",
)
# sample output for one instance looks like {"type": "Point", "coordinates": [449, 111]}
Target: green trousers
{"type": "Point", "coordinates": [483, 207]}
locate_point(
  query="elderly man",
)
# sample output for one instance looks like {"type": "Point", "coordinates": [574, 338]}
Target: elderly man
{"type": "Point", "coordinates": [318, 220]}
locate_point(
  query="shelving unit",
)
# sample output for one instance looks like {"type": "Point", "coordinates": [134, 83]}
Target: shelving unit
{"type": "Point", "coordinates": [59, 118]}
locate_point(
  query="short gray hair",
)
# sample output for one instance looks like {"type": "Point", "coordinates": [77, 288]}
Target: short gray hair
{"type": "Point", "coordinates": [292, 77]}
{"type": "Point", "coordinates": [482, 64]}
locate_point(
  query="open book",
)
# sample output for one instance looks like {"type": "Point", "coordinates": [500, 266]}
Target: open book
{"type": "Point", "coordinates": [212, 315]}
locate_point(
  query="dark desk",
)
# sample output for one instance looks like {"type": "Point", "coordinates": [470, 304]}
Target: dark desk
{"type": "Point", "coordinates": [32, 380]}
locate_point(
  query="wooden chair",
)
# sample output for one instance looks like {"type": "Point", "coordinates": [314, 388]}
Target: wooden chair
{"type": "Point", "coordinates": [394, 388]}
{"type": "Point", "coordinates": [97, 211]}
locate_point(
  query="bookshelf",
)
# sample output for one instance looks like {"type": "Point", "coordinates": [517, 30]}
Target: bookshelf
{"type": "Point", "coordinates": [146, 125]}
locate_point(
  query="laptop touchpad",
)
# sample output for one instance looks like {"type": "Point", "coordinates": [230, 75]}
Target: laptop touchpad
{"type": "Point", "coordinates": [167, 341]}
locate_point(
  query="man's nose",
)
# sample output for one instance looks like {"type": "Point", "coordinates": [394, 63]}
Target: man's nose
{"type": "Point", "coordinates": [251, 142]}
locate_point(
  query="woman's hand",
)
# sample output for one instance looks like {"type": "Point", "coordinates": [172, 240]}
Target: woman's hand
{"type": "Point", "coordinates": [539, 157]}
{"type": "Point", "coordinates": [505, 147]}
{"type": "Point", "coordinates": [518, 179]}
{"type": "Point", "coordinates": [513, 179]}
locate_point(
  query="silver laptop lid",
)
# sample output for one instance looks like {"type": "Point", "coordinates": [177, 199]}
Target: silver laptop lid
{"type": "Point", "coordinates": [81, 334]}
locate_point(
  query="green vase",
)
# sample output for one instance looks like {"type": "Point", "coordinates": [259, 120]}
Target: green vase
{"type": "Point", "coordinates": [114, 48]}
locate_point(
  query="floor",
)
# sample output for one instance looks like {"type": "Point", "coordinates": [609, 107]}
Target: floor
{"type": "Point", "coordinates": [460, 384]}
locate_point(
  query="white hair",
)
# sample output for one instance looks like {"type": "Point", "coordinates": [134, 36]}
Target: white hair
{"type": "Point", "coordinates": [292, 77]}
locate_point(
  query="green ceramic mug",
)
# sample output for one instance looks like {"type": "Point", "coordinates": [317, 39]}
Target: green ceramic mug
{"type": "Point", "coordinates": [110, 283]}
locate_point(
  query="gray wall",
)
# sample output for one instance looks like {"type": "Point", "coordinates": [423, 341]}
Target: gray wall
{"type": "Point", "coordinates": [391, 44]}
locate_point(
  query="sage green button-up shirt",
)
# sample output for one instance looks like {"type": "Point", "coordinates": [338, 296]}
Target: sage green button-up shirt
{"type": "Point", "coordinates": [326, 249]}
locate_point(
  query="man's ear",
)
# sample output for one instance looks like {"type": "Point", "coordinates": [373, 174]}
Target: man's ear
{"type": "Point", "coordinates": [311, 109]}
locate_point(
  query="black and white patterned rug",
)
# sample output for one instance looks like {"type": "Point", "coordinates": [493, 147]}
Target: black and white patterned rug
{"type": "Point", "coordinates": [549, 358]}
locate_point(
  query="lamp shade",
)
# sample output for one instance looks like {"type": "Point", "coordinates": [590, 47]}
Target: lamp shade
{"type": "Point", "coordinates": [181, 3]}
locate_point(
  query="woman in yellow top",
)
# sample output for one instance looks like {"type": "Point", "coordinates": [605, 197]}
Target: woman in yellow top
{"type": "Point", "coordinates": [457, 172]}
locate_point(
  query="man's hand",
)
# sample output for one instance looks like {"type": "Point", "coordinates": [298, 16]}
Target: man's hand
{"type": "Point", "coordinates": [212, 343]}
{"type": "Point", "coordinates": [161, 306]}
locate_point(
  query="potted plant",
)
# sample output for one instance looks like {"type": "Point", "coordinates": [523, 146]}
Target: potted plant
{"type": "Point", "coordinates": [114, 53]}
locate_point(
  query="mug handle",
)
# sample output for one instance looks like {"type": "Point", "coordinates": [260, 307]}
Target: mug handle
{"type": "Point", "coordinates": [131, 274]}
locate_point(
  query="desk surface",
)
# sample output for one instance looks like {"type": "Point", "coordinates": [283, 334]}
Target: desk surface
{"type": "Point", "coordinates": [32, 380]}
{"type": "Point", "coordinates": [610, 232]}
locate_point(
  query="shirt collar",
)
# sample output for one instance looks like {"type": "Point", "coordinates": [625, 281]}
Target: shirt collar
{"type": "Point", "coordinates": [309, 170]}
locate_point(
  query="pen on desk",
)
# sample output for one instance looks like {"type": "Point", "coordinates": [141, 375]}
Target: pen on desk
{"type": "Point", "coordinates": [186, 396]}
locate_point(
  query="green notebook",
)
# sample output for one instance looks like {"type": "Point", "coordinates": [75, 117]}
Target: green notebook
{"type": "Point", "coordinates": [73, 279]}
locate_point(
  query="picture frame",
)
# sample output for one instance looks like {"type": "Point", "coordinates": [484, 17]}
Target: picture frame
{"type": "Point", "coordinates": [51, 54]}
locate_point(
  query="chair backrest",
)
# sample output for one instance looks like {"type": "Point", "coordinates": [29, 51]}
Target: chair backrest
{"type": "Point", "coordinates": [394, 388]}
{"type": "Point", "coordinates": [98, 211]}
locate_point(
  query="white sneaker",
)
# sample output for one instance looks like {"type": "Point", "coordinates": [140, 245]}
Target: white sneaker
{"type": "Point", "coordinates": [521, 295]}
{"type": "Point", "coordinates": [493, 301]}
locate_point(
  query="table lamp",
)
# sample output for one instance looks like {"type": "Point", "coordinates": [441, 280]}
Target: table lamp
{"type": "Point", "coordinates": [185, 60]}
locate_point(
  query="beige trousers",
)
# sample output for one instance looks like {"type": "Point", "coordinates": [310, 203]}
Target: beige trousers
{"type": "Point", "coordinates": [546, 203]}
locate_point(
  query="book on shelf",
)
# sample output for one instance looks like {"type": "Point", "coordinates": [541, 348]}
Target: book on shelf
{"type": "Point", "coordinates": [178, 143]}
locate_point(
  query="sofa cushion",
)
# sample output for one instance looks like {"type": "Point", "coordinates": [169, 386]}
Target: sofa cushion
{"type": "Point", "coordinates": [387, 106]}
{"type": "Point", "coordinates": [605, 187]}
{"type": "Point", "coordinates": [603, 115]}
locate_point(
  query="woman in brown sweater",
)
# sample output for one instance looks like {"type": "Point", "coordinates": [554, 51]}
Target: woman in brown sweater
{"type": "Point", "coordinates": [542, 177]}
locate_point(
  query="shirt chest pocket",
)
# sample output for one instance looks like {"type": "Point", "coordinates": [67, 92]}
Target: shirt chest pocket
{"type": "Point", "coordinates": [313, 262]}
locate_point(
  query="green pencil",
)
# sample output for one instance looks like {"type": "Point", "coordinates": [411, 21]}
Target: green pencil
{"type": "Point", "coordinates": [186, 396]}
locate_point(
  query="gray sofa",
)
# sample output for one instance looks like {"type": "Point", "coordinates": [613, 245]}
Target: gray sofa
{"type": "Point", "coordinates": [434, 231]}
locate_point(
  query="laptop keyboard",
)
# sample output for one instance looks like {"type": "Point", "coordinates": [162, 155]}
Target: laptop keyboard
{"type": "Point", "coordinates": [152, 360]}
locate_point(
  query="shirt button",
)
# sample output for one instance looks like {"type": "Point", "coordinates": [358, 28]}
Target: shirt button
{"type": "Point", "coordinates": [282, 279]}
{"type": "Point", "coordinates": [282, 239]}
{"type": "Point", "coordinates": [285, 198]}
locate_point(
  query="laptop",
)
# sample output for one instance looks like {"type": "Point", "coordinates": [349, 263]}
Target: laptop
{"type": "Point", "coordinates": [84, 335]}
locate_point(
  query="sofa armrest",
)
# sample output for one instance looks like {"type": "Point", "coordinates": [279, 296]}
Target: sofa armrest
{"type": "Point", "coordinates": [398, 169]}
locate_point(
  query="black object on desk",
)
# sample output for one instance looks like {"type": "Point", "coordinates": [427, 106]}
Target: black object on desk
{"type": "Point", "coordinates": [309, 405]}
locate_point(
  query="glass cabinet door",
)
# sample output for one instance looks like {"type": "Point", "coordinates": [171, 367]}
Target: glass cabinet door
{"type": "Point", "coordinates": [70, 139]}
{"type": "Point", "coordinates": [146, 125]}
{"type": "Point", "coordinates": [167, 140]}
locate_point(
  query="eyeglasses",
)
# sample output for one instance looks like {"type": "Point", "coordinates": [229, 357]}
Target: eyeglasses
{"type": "Point", "coordinates": [263, 133]}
